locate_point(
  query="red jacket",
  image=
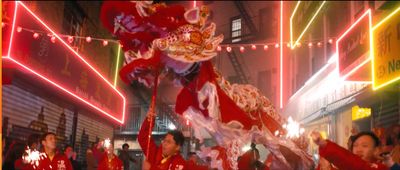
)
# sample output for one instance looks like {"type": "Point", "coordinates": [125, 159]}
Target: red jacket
{"type": "Point", "coordinates": [345, 160]}
{"type": "Point", "coordinates": [175, 162]}
{"type": "Point", "coordinates": [113, 164]}
{"type": "Point", "coordinates": [59, 162]}
{"type": "Point", "coordinates": [19, 164]}
{"type": "Point", "coordinates": [191, 165]}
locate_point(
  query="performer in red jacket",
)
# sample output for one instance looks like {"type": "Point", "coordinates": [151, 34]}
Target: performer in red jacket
{"type": "Point", "coordinates": [110, 161]}
{"type": "Point", "coordinates": [364, 148]}
{"type": "Point", "coordinates": [52, 160]}
{"type": "Point", "coordinates": [164, 157]}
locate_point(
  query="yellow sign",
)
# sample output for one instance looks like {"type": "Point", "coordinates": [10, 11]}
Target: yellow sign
{"type": "Point", "coordinates": [386, 51]}
{"type": "Point", "coordinates": [359, 113]}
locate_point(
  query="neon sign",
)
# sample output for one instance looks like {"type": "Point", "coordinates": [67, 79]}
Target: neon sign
{"type": "Point", "coordinates": [59, 65]}
{"type": "Point", "coordinates": [303, 18]}
{"type": "Point", "coordinates": [353, 48]}
{"type": "Point", "coordinates": [385, 51]}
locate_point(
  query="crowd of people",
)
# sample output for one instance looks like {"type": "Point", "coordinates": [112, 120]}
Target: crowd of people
{"type": "Point", "coordinates": [97, 157]}
{"type": "Point", "coordinates": [365, 150]}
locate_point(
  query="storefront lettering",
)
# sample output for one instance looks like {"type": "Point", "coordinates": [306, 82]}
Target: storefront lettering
{"type": "Point", "coordinates": [384, 42]}
{"type": "Point", "coordinates": [66, 69]}
{"type": "Point", "coordinates": [44, 48]}
{"type": "Point", "coordinates": [398, 31]}
{"type": "Point", "coordinates": [98, 104]}
{"type": "Point", "coordinates": [354, 43]}
{"type": "Point", "coordinates": [81, 93]}
{"type": "Point", "coordinates": [394, 66]}
{"type": "Point", "coordinates": [83, 81]}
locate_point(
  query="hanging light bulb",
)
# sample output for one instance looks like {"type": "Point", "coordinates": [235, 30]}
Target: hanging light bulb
{"type": "Point", "coordinates": [253, 47]}
{"type": "Point", "coordinates": [298, 44]}
{"type": "Point", "coordinates": [310, 45]}
{"type": "Point", "coordinates": [265, 47]}
{"type": "Point", "coordinates": [229, 49]}
{"type": "Point", "coordinates": [88, 39]}
{"type": "Point", "coordinates": [330, 41]}
{"type": "Point", "coordinates": [105, 42]}
{"type": "Point", "coordinates": [241, 49]}
{"type": "Point", "coordinates": [276, 45]}
{"type": "Point", "coordinates": [70, 39]}
{"type": "Point", "coordinates": [53, 39]}
{"type": "Point", "coordinates": [319, 44]}
{"type": "Point", "coordinates": [2, 24]}
{"type": "Point", "coordinates": [288, 45]}
{"type": "Point", "coordinates": [19, 29]}
{"type": "Point", "coordinates": [35, 35]}
{"type": "Point", "coordinates": [219, 48]}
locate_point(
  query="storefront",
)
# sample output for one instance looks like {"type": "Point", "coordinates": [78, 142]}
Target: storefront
{"type": "Point", "coordinates": [52, 88]}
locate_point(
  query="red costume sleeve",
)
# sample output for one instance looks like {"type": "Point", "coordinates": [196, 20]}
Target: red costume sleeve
{"type": "Point", "coordinates": [68, 164]}
{"type": "Point", "coordinates": [144, 137]}
{"type": "Point", "coordinates": [97, 154]}
{"type": "Point", "coordinates": [120, 164]}
{"type": "Point", "coordinates": [344, 159]}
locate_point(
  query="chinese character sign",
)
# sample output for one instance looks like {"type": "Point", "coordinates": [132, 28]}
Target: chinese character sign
{"type": "Point", "coordinates": [386, 46]}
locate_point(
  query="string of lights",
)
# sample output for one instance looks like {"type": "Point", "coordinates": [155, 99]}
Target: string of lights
{"type": "Point", "coordinates": [70, 38]}
{"type": "Point", "coordinates": [267, 45]}
{"type": "Point", "coordinates": [228, 47]}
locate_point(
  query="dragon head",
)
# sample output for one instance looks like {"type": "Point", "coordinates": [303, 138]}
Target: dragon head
{"type": "Point", "coordinates": [157, 37]}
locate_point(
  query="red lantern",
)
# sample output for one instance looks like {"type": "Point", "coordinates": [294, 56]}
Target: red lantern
{"type": "Point", "coordinates": [19, 29]}
{"type": "Point", "coordinates": [70, 39]}
{"type": "Point", "coordinates": [276, 45]}
{"type": "Point", "coordinates": [229, 49]}
{"type": "Point", "coordinates": [35, 35]}
{"type": "Point", "coordinates": [265, 47]}
{"type": "Point", "coordinates": [253, 47]}
{"type": "Point", "coordinates": [105, 43]}
{"type": "Point", "coordinates": [88, 39]}
{"type": "Point", "coordinates": [219, 48]}
{"type": "Point", "coordinates": [241, 49]}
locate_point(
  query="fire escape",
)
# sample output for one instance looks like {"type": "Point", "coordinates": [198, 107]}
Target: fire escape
{"type": "Point", "coordinates": [165, 113]}
{"type": "Point", "coordinates": [252, 36]}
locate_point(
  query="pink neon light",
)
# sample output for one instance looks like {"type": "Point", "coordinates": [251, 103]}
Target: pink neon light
{"type": "Point", "coordinates": [72, 50]}
{"type": "Point", "coordinates": [54, 83]}
{"type": "Point", "coordinates": [281, 60]}
{"type": "Point", "coordinates": [12, 29]}
{"type": "Point", "coordinates": [368, 12]}
{"type": "Point", "coordinates": [65, 90]}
